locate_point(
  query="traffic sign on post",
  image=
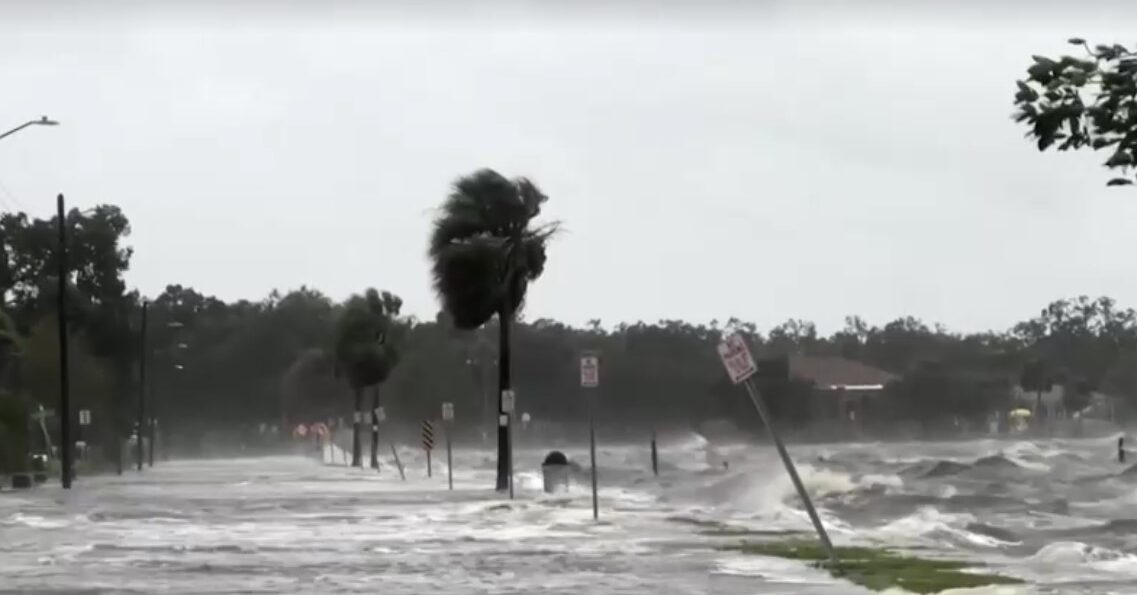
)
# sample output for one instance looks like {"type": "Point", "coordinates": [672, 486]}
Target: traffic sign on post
{"type": "Point", "coordinates": [448, 412]}
{"type": "Point", "coordinates": [508, 401]}
{"type": "Point", "coordinates": [379, 415]}
{"type": "Point", "coordinates": [589, 371]}
{"type": "Point", "coordinates": [741, 368]}
{"type": "Point", "coordinates": [590, 379]}
{"type": "Point", "coordinates": [736, 357]}
{"type": "Point", "coordinates": [84, 417]}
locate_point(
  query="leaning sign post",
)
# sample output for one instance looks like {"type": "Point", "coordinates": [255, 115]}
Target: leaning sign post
{"type": "Point", "coordinates": [590, 381]}
{"type": "Point", "coordinates": [448, 419]}
{"type": "Point", "coordinates": [741, 368]}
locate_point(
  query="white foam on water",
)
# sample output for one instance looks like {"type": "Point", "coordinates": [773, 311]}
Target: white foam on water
{"type": "Point", "coordinates": [1076, 553]}
{"type": "Point", "coordinates": [35, 521]}
{"type": "Point", "coordinates": [931, 524]}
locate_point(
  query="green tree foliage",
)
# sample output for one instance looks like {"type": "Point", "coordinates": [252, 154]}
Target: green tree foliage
{"type": "Point", "coordinates": [1088, 102]}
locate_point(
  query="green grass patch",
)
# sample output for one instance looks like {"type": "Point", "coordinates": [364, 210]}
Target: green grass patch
{"type": "Point", "coordinates": [720, 529]}
{"type": "Point", "coordinates": [880, 568]}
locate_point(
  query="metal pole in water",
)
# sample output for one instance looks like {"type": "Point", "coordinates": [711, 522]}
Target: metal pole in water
{"type": "Point", "coordinates": [429, 471]}
{"type": "Point", "coordinates": [509, 429]}
{"type": "Point", "coordinates": [141, 421]}
{"type": "Point", "coordinates": [66, 446]}
{"type": "Point", "coordinates": [654, 454]}
{"type": "Point", "coordinates": [449, 459]}
{"type": "Point", "coordinates": [398, 463]}
{"type": "Point", "coordinates": [592, 452]}
{"type": "Point", "coordinates": [816, 520]}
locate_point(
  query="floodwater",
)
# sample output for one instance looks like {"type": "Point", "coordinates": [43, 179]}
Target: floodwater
{"type": "Point", "coordinates": [1060, 514]}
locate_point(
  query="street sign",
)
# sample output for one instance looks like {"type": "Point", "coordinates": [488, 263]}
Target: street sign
{"type": "Point", "coordinates": [379, 415]}
{"type": "Point", "coordinates": [358, 417]}
{"type": "Point", "coordinates": [427, 435]}
{"type": "Point", "coordinates": [503, 420]}
{"type": "Point", "coordinates": [508, 401]}
{"type": "Point", "coordinates": [736, 357]}
{"type": "Point", "coordinates": [590, 371]}
{"type": "Point", "coordinates": [84, 417]}
{"type": "Point", "coordinates": [448, 412]}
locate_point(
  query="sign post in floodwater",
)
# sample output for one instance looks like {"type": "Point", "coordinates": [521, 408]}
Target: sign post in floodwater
{"type": "Point", "coordinates": [448, 419]}
{"type": "Point", "coordinates": [590, 381]}
{"type": "Point", "coordinates": [741, 368]}
{"type": "Point", "coordinates": [508, 404]}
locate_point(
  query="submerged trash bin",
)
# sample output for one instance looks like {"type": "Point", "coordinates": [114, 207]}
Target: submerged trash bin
{"type": "Point", "coordinates": [555, 470]}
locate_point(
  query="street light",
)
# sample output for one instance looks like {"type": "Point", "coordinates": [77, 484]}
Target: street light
{"type": "Point", "coordinates": [43, 121]}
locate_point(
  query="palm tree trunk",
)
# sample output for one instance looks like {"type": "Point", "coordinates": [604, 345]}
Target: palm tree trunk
{"type": "Point", "coordinates": [374, 428]}
{"type": "Point", "coordinates": [356, 447]}
{"type": "Point", "coordinates": [504, 448]}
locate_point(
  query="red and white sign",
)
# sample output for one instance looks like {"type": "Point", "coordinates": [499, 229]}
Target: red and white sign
{"type": "Point", "coordinates": [589, 371]}
{"type": "Point", "coordinates": [736, 357]}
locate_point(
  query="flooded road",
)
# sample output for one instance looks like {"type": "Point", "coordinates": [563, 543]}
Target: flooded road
{"type": "Point", "coordinates": [1059, 514]}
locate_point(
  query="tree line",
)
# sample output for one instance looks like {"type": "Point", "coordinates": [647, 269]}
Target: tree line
{"type": "Point", "coordinates": [300, 356]}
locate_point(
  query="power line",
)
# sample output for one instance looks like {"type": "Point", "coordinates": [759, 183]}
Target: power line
{"type": "Point", "coordinates": [11, 198]}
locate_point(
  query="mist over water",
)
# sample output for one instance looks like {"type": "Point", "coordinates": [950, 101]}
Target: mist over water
{"type": "Point", "coordinates": [1057, 513]}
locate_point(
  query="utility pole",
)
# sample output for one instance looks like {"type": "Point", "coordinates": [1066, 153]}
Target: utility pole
{"type": "Point", "coordinates": [141, 386]}
{"type": "Point", "coordinates": [64, 388]}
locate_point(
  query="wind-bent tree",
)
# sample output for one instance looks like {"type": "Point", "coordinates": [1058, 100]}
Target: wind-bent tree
{"type": "Point", "coordinates": [485, 252]}
{"type": "Point", "coordinates": [365, 353]}
{"type": "Point", "coordinates": [1088, 102]}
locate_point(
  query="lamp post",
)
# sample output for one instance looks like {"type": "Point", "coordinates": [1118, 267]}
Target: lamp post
{"type": "Point", "coordinates": [43, 121]}
{"type": "Point", "coordinates": [66, 445]}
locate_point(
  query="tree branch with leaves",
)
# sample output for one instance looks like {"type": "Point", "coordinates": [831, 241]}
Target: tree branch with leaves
{"type": "Point", "coordinates": [1089, 102]}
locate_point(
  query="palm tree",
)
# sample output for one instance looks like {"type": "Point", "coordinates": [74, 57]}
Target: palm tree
{"type": "Point", "coordinates": [366, 353]}
{"type": "Point", "coordinates": [485, 253]}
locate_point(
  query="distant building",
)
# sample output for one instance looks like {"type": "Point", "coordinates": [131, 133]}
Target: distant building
{"type": "Point", "coordinates": [843, 389]}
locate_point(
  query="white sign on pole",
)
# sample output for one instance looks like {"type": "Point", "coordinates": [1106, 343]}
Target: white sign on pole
{"type": "Point", "coordinates": [736, 357]}
{"type": "Point", "coordinates": [508, 401]}
{"type": "Point", "coordinates": [503, 420]}
{"type": "Point", "coordinates": [379, 415]}
{"type": "Point", "coordinates": [448, 412]}
{"type": "Point", "coordinates": [358, 418]}
{"type": "Point", "coordinates": [84, 417]}
{"type": "Point", "coordinates": [589, 371]}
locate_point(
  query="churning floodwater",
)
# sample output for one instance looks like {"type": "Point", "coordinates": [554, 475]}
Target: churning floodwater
{"type": "Point", "coordinates": [1061, 514]}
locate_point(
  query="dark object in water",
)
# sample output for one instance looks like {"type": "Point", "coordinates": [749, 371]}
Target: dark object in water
{"type": "Point", "coordinates": [556, 457]}
{"type": "Point", "coordinates": [21, 481]}
{"type": "Point", "coordinates": [555, 471]}
{"type": "Point", "coordinates": [1121, 449]}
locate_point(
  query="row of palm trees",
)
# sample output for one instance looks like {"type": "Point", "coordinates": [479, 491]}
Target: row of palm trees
{"type": "Point", "coordinates": [485, 250]}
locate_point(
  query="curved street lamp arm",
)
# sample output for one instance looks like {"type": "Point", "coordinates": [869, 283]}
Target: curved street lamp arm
{"type": "Point", "coordinates": [43, 121]}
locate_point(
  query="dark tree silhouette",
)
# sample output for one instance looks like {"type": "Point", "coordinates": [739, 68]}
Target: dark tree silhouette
{"type": "Point", "coordinates": [485, 252]}
{"type": "Point", "coordinates": [366, 354]}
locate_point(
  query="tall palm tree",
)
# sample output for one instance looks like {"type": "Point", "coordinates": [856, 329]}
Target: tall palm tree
{"type": "Point", "coordinates": [485, 252]}
{"type": "Point", "coordinates": [365, 353]}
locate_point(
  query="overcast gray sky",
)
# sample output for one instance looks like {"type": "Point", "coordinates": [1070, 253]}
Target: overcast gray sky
{"type": "Point", "coordinates": [786, 159]}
